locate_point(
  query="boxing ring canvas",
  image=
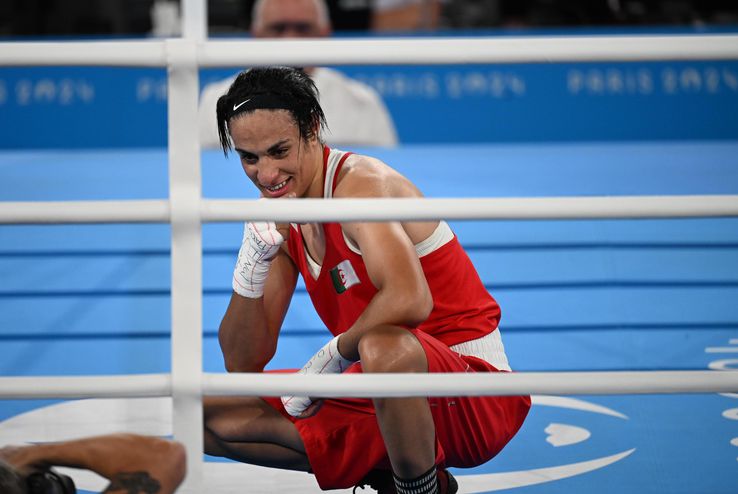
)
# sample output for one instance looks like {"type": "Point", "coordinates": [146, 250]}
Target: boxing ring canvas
{"type": "Point", "coordinates": [575, 295]}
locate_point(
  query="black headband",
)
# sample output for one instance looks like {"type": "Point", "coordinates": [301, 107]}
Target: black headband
{"type": "Point", "coordinates": [263, 101]}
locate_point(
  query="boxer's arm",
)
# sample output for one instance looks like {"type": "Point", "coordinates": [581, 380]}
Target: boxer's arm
{"type": "Point", "coordinates": [132, 463]}
{"type": "Point", "coordinates": [250, 327]}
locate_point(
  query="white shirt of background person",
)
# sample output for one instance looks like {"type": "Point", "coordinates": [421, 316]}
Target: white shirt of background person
{"type": "Point", "coordinates": [355, 112]}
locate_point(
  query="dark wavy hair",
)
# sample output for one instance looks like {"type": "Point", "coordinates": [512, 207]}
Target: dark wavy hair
{"type": "Point", "coordinates": [291, 87]}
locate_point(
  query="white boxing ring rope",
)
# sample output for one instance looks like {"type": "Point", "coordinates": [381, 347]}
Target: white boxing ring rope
{"type": "Point", "coordinates": [225, 210]}
{"type": "Point", "coordinates": [406, 51]}
{"type": "Point", "coordinates": [373, 385]}
{"type": "Point", "coordinates": [186, 210]}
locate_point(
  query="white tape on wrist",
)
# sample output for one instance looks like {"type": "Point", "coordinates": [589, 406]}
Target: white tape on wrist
{"type": "Point", "coordinates": [261, 242]}
{"type": "Point", "coordinates": [327, 360]}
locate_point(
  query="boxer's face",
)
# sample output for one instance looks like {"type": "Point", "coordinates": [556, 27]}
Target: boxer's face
{"type": "Point", "coordinates": [275, 157]}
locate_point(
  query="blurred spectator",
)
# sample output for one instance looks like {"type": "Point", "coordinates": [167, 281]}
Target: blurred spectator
{"type": "Point", "coordinates": [717, 12]}
{"type": "Point", "coordinates": [345, 15]}
{"type": "Point", "coordinates": [574, 13]}
{"type": "Point", "coordinates": [525, 13]}
{"type": "Point", "coordinates": [130, 17]}
{"type": "Point", "coordinates": [342, 98]}
{"type": "Point", "coordinates": [165, 19]}
{"type": "Point", "coordinates": [406, 15]}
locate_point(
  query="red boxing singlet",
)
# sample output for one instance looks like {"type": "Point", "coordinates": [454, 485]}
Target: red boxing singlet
{"type": "Point", "coordinates": [342, 440]}
{"type": "Point", "coordinates": [463, 310]}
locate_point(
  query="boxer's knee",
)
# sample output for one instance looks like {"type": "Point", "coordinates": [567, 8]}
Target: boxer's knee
{"type": "Point", "coordinates": [391, 349]}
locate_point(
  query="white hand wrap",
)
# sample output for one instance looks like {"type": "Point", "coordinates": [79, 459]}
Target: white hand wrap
{"type": "Point", "coordinates": [261, 241]}
{"type": "Point", "coordinates": [326, 361]}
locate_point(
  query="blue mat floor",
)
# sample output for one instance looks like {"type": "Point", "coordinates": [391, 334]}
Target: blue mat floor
{"type": "Point", "coordinates": [575, 295]}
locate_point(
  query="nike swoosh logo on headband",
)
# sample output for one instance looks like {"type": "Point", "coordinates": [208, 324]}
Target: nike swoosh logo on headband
{"type": "Point", "coordinates": [236, 107]}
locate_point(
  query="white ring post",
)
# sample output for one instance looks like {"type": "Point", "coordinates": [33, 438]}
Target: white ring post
{"type": "Point", "coordinates": [186, 262]}
{"type": "Point", "coordinates": [195, 19]}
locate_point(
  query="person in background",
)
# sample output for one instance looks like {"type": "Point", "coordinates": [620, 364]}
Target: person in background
{"type": "Point", "coordinates": [132, 463]}
{"type": "Point", "coordinates": [390, 16]}
{"type": "Point", "coordinates": [356, 112]}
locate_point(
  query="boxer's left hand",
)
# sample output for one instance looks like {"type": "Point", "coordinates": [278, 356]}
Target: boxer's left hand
{"type": "Point", "coordinates": [327, 360]}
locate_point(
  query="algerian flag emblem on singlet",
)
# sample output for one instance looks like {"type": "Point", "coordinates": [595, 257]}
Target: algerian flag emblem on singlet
{"type": "Point", "coordinates": [344, 276]}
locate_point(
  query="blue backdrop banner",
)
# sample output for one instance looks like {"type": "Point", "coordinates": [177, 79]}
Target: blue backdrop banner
{"type": "Point", "coordinates": [93, 107]}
